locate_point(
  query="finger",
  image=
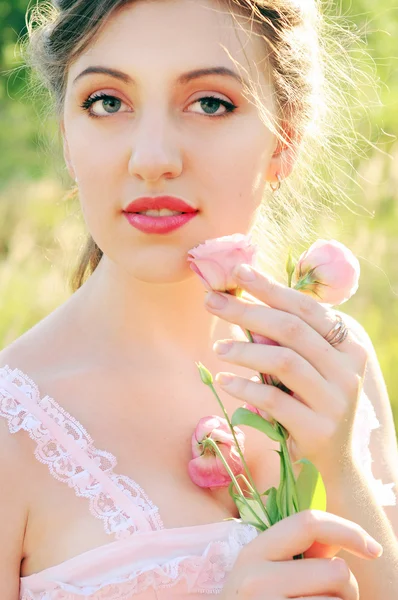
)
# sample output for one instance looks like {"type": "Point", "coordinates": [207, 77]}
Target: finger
{"type": "Point", "coordinates": [291, 368]}
{"type": "Point", "coordinates": [296, 534]}
{"type": "Point", "coordinates": [310, 576]}
{"type": "Point", "coordinates": [295, 416]}
{"type": "Point", "coordinates": [284, 328]}
{"type": "Point", "coordinates": [318, 316]}
{"type": "Point", "coordinates": [318, 598]}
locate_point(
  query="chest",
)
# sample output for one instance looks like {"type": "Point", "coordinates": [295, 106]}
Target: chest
{"type": "Point", "coordinates": [148, 431]}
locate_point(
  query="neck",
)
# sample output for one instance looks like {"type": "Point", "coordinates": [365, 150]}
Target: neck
{"type": "Point", "coordinates": [140, 319]}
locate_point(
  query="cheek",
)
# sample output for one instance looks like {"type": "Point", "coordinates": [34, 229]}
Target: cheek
{"type": "Point", "coordinates": [99, 165]}
{"type": "Point", "coordinates": [233, 172]}
{"type": "Point", "coordinates": [99, 161]}
{"type": "Point", "coordinates": [95, 149]}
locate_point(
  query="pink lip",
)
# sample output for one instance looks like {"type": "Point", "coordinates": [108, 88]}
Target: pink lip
{"type": "Point", "coordinates": [149, 224]}
{"type": "Point", "coordinates": [165, 224]}
{"type": "Point", "coordinates": [158, 202]}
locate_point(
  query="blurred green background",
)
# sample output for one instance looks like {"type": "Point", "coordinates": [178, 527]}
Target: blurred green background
{"type": "Point", "coordinates": [41, 229]}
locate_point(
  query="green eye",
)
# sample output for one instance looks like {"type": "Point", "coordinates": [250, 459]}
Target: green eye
{"type": "Point", "coordinates": [106, 105]}
{"type": "Point", "coordinates": [210, 105]}
{"type": "Point", "coordinates": [113, 104]}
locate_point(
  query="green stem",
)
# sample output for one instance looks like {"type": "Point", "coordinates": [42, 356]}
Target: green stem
{"type": "Point", "coordinates": [253, 485]}
{"type": "Point", "coordinates": [251, 490]}
{"type": "Point", "coordinates": [290, 472]}
{"type": "Point", "coordinates": [283, 445]}
{"type": "Point", "coordinates": [213, 444]}
{"type": "Point", "coordinates": [258, 498]}
{"type": "Point", "coordinates": [285, 454]}
{"type": "Point", "coordinates": [290, 478]}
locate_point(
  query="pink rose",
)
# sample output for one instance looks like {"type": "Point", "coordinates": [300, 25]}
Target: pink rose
{"type": "Point", "coordinates": [206, 468]}
{"type": "Point", "coordinates": [215, 260]}
{"type": "Point", "coordinates": [329, 271]}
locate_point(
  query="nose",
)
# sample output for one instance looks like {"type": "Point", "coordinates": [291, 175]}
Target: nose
{"type": "Point", "coordinates": [155, 153]}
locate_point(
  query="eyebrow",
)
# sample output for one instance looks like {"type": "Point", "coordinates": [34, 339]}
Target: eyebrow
{"type": "Point", "coordinates": [182, 79]}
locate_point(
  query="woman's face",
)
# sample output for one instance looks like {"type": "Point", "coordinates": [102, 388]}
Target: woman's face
{"type": "Point", "coordinates": [161, 134]}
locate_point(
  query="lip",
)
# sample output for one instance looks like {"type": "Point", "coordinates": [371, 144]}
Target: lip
{"type": "Point", "coordinates": [159, 202]}
{"type": "Point", "coordinates": [159, 225]}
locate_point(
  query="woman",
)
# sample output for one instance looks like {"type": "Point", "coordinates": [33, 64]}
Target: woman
{"type": "Point", "coordinates": [160, 103]}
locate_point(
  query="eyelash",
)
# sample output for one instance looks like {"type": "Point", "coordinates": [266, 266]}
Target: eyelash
{"type": "Point", "coordinates": [88, 103]}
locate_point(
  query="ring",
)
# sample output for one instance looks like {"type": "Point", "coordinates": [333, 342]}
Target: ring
{"type": "Point", "coordinates": [338, 333]}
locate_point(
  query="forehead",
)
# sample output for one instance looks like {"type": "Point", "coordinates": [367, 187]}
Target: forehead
{"type": "Point", "coordinates": [165, 37]}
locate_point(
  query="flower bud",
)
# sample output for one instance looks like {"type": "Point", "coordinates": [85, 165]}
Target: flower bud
{"type": "Point", "coordinates": [215, 260]}
{"type": "Point", "coordinates": [205, 374]}
{"type": "Point", "coordinates": [206, 468]}
{"type": "Point", "coordinates": [329, 271]}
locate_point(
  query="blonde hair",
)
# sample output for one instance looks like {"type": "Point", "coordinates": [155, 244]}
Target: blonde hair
{"type": "Point", "coordinates": [312, 73]}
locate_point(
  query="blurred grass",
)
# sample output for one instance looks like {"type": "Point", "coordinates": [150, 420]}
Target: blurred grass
{"type": "Point", "coordinates": [40, 230]}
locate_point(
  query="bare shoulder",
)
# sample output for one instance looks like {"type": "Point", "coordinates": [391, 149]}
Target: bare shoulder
{"type": "Point", "coordinates": [374, 383]}
{"type": "Point", "coordinates": [32, 353]}
{"type": "Point", "coordinates": [40, 347]}
{"type": "Point", "coordinates": [13, 509]}
{"type": "Point", "coordinates": [383, 443]}
{"type": "Point", "coordinates": [356, 328]}
{"type": "Point", "coordinates": [375, 387]}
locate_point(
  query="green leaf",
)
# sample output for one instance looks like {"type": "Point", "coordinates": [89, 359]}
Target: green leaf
{"type": "Point", "coordinates": [272, 507]}
{"type": "Point", "coordinates": [243, 416]}
{"type": "Point", "coordinates": [247, 516]}
{"type": "Point", "coordinates": [291, 490]}
{"type": "Point", "coordinates": [205, 374]}
{"type": "Point", "coordinates": [310, 487]}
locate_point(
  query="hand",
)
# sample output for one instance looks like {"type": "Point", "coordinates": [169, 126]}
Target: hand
{"type": "Point", "coordinates": [265, 570]}
{"type": "Point", "coordinates": [326, 380]}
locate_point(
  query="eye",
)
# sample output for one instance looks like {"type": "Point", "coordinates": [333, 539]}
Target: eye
{"type": "Point", "coordinates": [105, 105]}
{"type": "Point", "coordinates": [211, 106]}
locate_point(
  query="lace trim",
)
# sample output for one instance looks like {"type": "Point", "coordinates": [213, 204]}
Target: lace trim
{"type": "Point", "coordinates": [203, 574]}
{"type": "Point", "coordinates": [365, 422]}
{"type": "Point", "coordinates": [64, 468]}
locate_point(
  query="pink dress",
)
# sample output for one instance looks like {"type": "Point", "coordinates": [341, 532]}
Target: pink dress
{"type": "Point", "coordinates": [145, 561]}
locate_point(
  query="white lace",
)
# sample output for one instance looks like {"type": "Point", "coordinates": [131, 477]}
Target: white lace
{"type": "Point", "coordinates": [203, 574]}
{"type": "Point", "coordinates": [365, 422]}
{"type": "Point", "coordinates": [51, 453]}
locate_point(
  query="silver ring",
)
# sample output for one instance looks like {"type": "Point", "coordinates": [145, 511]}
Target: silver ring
{"type": "Point", "coordinates": [338, 333]}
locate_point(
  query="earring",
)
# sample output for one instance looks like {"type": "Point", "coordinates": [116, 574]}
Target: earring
{"type": "Point", "coordinates": [276, 186]}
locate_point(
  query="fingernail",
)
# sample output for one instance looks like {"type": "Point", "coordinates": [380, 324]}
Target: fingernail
{"type": "Point", "coordinates": [245, 273]}
{"type": "Point", "coordinates": [224, 378]}
{"type": "Point", "coordinates": [222, 347]}
{"type": "Point", "coordinates": [215, 300]}
{"type": "Point", "coordinates": [374, 548]}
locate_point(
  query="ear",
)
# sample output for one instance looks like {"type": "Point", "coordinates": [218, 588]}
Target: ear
{"type": "Point", "coordinates": [67, 152]}
{"type": "Point", "coordinates": [283, 158]}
